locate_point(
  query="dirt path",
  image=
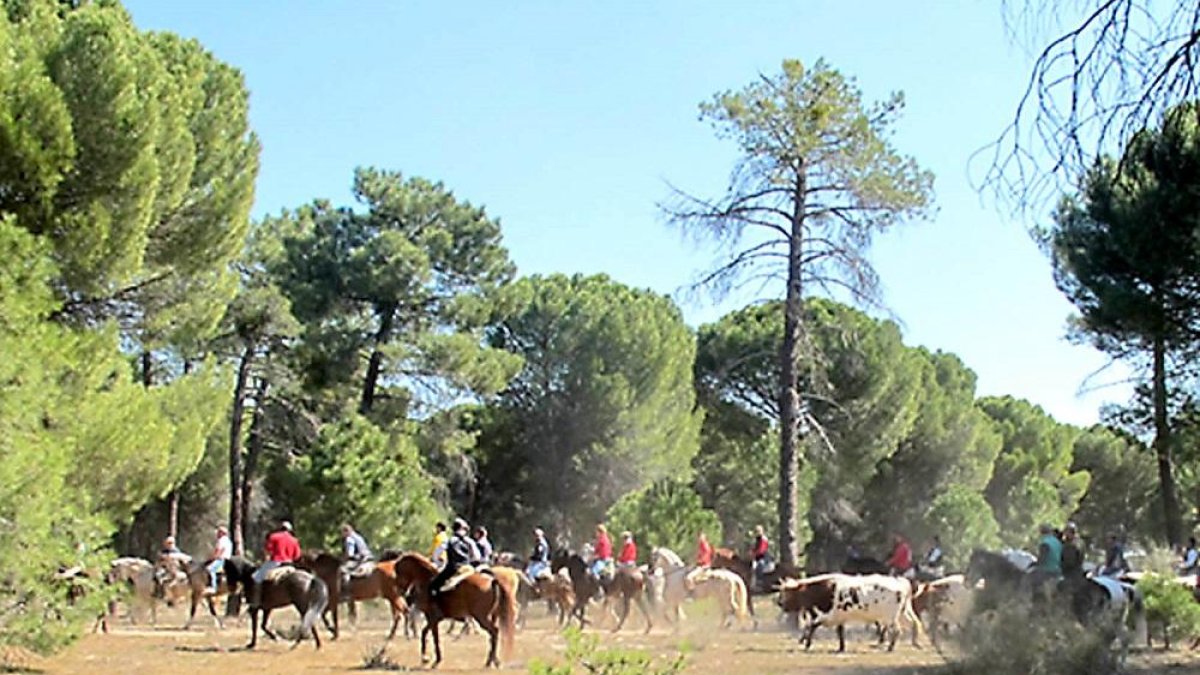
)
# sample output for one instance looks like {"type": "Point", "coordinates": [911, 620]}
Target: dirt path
{"type": "Point", "coordinates": [206, 650]}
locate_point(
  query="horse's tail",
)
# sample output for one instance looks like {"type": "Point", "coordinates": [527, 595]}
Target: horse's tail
{"type": "Point", "coordinates": [318, 599]}
{"type": "Point", "coordinates": [507, 604]}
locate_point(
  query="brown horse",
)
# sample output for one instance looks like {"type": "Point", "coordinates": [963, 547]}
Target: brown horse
{"type": "Point", "coordinates": [235, 570]}
{"type": "Point", "coordinates": [380, 582]}
{"type": "Point", "coordinates": [298, 588]}
{"type": "Point", "coordinates": [628, 583]}
{"type": "Point", "coordinates": [482, 597]}
{"type": "Point", "coordinates": [724, 558]}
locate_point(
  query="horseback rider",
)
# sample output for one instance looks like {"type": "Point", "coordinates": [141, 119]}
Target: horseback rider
{"type": "Point", "coordinates": [1072, 556]}
{"type": "Point", "coordinates": [281, 548]}
{"type": "Point", "coordinates": [458, 553]}
{"type": "Point", "coordinates": [484, 546]}
{"type": "Point", "coordinates": [357, 551]}
{"type": "Point", "coordinates": [1114, 559]}
{"type": "Point", "coordinates": [539, 559]}
{"type": "Point", "coordinates": [704, 551]}
{"type": "Point", "coordinates": [222, 551]}
{"type": "Point", "coordinates": [1048, 569]}
{"type": "Point", "coordinates": [168, 555]}
{"type": "Point", "coordinates": [900, 561]}
{"type": "Point", "coordinates": [628, 555]}
{"type": "Point", "coordinates": [601, 552]}
{"type": "Point", "coordinates": [437, 552]}
{"type": "Point", "coordinates": [934, 562]}
{"type": "Point", "coordinates": [760, 553]}
{"type": "Point", "coordinates": [1191, 559]}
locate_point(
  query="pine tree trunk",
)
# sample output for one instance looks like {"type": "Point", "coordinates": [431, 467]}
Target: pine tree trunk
{"type": "Point", "coordinates": [1162, 446]}
{"type": "Point", "coordinates": [789, 395]}
{"type": "Point", "coordinates": [375, 365]}
{"type": "Point", "coordinates": [256, 446]}
{"type": "Point", "coordinates": [237, 515]}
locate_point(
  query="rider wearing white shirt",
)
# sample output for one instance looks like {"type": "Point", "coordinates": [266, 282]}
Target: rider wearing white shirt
{"type": "Point", "coordinates": [222, 551]}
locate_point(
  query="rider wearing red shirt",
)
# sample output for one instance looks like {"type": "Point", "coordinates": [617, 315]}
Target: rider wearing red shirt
{"type": "Point", "coordinates": [282, 546]}
{"type": "Point", "coordinates": [601, 551]}
{"type": "Point", "coordinates": [900, 561]}
{"type": "Point", "coordinates": [628, 556]}
{"type": "Point", "coordinates": [704, 551]}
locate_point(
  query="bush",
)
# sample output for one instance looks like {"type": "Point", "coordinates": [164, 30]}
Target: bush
{"type": "Point", "coordinates": [1017, 639]}
{"type": "Point", "coordinates": [1170, 607]}
{"type": "Point", "coordinates": [584, 653]}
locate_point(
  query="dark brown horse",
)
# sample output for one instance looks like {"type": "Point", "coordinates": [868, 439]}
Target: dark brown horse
{"type": "Point", "coordinates": [298, 588]}
{"type": "Point", "coordinates": [628, 583]}
{"type": "Point", "coordinates": [725, 558]}
{"type": "Point", "coordinates": [482, 597]}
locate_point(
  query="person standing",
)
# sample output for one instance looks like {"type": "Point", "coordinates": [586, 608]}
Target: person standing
{"type": "Point", "coordinates": [704, 551]}
{"type": "Point", "coordinates": [222, 551]}
{"type": "Point", "coordinates": [281, 548]}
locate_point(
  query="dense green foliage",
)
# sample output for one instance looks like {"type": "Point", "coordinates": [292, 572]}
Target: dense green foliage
{"type": "Point", "coordinates": [668, 513]}
{"type": "Point", "coordinates": [603, 406]}
{"type": "Point", "coordinates": [1170, 607]}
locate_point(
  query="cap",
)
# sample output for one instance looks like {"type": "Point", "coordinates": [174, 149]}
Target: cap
{"type": "Point", "coordinates": [285, 525]}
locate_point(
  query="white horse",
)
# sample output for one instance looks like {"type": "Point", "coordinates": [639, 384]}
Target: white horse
{"type": "Point", "coordinates": [674, 590]}
{"type": "Point", "coordinates": [727, 587]}
{"type": "Point", "coordinates": [138, 574]}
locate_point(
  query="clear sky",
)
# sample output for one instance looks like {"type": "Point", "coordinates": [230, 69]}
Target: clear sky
{"type": "Point", "coordinates": [567, 119]}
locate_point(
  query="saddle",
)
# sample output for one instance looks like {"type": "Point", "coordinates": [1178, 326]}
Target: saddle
{"type": "Point", "coordinates": [364, 569]}
{"type": "Point", "coordinates": [275, 575]}
{"type": "Point", "coordinates": [460, 574]}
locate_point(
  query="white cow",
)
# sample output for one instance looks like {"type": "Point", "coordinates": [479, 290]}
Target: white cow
{"type": "Point", "coordinates": [727, 587]}
{"type": "Point", "coordinates": [838, 599]}
{"type": "Point", "coordinates": [944, 603]}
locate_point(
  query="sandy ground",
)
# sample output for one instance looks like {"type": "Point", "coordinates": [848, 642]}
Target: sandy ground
{"type": "Point", "coordinates": [205, 649]}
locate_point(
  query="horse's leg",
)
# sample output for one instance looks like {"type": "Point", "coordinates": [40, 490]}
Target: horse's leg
{"type": "Point", "coordinates": [424, 635]}
{"type": "Point", "coordinates": [212, 610]}
{"type": "Point", "coordinates": [397, 615]}
{"type": "Point", "coordinates": [253, 627]}
{"type": "Point", "coordinates": [437, 643]}
{"type": "Point", "coordinates": [624, 612]}
{"type": "Point", "coordinates": [493, 636]}
{"type": "Point", "coordinates": [334, 600]}
{"type": "Point", "coordinates": [266, 614]}
{"type": "Point", "coordinates": [641, 601]}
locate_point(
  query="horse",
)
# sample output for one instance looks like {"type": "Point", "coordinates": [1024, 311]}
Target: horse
{"type": "Point", "coordinates": [628, 583]}
{"type": "Point", "coordinates": [725, 558]}
{"type": "Point", "coordinates": [1001, 577]}
{"type": "Point", "coordinates": [288, 586]}
{"type": "Point", "coordinates": [328, 568]}
{"type": "Point", "coordinates": [479, 596]}
{"type": "Point", "coordinates": [674, 590]}
{"type": "Point", "coordinates": [583, 584]}
{"type": "Point", "coordinates": [138, 575]}
{"type": "Point", "coordinates": [236, 571]}
{"type": "Point", "coordinates": [728, 589]}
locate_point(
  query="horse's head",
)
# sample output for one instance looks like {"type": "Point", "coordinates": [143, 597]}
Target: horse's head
{"type": "Point", "coordinates": [412, 569]}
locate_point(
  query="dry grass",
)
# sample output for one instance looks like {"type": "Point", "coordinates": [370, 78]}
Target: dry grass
{"type": "Point", "coordinates": [206, 650]}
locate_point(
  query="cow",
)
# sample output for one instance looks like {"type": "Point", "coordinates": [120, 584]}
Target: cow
{"type": "Point", "coordinates": [837, 599]}
{"type": "Point", "coordinates": [944, 603]}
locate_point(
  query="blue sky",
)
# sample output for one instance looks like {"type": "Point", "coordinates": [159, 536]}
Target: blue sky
{"type": "Point", "coordinates": [567, 120]}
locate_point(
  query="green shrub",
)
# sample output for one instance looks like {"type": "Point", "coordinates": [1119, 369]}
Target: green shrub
{"type": "Point", "coordinates": [1170, 607]}
{"type": "Point", "coordinates": [584, 655]}
{"type": "Point", "coordinates": [1017, 639]}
